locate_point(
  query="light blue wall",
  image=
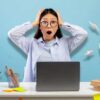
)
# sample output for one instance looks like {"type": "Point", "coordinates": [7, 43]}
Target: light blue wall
{"type": "Point", "coordinates": [80, 12]}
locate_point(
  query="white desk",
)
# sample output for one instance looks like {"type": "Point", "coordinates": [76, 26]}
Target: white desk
{"type": "Point", "coordinates": [85, 93]}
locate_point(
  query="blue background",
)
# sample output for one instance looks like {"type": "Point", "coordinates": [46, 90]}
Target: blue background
{"type": "Point", "coordinates": [80, 12]}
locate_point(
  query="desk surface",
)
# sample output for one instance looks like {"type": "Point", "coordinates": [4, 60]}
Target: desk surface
{"type": "Point", "coordinates": [86, 90]}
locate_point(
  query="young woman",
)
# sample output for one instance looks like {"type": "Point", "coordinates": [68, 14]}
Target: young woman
{"type": "Point", "coordinates": [48, 43]}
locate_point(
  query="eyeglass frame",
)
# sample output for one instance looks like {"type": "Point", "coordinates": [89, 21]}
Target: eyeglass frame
{"type": "Point", "coordinates": [48, 24]}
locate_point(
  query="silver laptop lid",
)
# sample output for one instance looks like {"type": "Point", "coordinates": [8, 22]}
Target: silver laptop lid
{"type": "Point", "coordinates": [58, 76]}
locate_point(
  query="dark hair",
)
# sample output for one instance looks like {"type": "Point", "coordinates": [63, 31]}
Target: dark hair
{"type": "Point", "coordinates": [46, 11]}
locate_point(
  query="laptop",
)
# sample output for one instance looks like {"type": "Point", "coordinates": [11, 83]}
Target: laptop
{"type": "Point", "coordinates": [58, 76]}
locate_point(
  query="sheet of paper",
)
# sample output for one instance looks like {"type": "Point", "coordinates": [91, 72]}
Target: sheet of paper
{"type": "Point", "coordinates": [96, 97]}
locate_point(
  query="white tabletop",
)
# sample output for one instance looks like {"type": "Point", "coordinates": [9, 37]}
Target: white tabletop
{"type": "Point", "coordinates": [86, 90]}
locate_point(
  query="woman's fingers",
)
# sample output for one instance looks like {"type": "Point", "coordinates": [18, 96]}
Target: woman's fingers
{"type": "Point", "coordinates": [59, 18]}
{"type": "Point", "coordinates": [36, 22]}
{"type": "Point", "coordinates": [40, 11]}
{"type": "Point", "coordinates": [38, 15]}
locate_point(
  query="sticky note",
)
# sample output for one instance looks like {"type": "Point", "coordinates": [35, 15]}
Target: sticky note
{"type": "Point", "coordinates": [96, 97]}
{"type": "Point", "coordinates": [19, 89]}
{"type": "Point", "coordinates": [8, 90]}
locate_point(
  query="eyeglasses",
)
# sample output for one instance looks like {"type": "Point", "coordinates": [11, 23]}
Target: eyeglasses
{"type": "Point", "coordinates": [52, 23]}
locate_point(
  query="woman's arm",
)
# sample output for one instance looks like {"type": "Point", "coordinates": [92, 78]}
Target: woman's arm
{"type": "Point", "coordinates": [78, 36]}
{"type": "Point", "coordinates": [16, 35]}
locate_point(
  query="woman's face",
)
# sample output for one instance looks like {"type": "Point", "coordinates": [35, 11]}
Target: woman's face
{"type": "Point", "coordinates": [48, 26]}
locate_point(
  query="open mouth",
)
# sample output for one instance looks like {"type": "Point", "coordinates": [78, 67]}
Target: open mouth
{"type": "Point", "coordinates": [49, 32]}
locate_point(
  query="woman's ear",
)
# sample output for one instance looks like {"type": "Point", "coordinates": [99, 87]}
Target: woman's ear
{"type": "Point", "coordinates": [40, 27]}
{"type": "Point", "coordinates": [58, 26]}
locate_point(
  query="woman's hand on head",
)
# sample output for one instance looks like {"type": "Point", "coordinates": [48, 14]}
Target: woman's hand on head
{"type": "Point", "coordinates": [60, 21]}
{"type": "Point", "coordinates": [36, 22]}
